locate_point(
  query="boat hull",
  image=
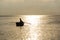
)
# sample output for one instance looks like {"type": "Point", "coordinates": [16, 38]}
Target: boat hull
{"type": "Point", "coordinates": [19, 23]}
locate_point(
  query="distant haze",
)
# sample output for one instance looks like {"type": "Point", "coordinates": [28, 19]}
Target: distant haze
{"type": "Point", "coordinates": [17, 7]}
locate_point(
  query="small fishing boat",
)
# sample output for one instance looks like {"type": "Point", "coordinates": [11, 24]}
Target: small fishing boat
{"type": "Point", "coordinates": [21, 23]}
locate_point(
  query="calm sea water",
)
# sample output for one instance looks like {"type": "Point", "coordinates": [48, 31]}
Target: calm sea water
{"type": "Point", "coordinates": [37, 27]}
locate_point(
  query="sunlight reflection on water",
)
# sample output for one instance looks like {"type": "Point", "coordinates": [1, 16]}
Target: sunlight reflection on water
{"type": "Point", "coordinates": [34, 20]}
{"type": "Point", "coordinates": [40, 28]}
{"type": "Point", "coordinates": [37, 27]}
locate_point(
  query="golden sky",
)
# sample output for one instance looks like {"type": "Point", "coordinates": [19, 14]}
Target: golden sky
{"type": "Point", "coordinates": [13, 7]}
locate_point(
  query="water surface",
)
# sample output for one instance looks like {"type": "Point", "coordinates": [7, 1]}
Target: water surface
{"type": "Point", "coordinates": [37, 27]}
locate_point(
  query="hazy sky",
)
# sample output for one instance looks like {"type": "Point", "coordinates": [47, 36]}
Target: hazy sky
{"type": "Point", "coordinates": [13, 7]}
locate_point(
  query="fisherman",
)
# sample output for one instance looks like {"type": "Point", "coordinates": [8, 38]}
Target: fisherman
{"type": "Point", "coordinates": [21, 22]}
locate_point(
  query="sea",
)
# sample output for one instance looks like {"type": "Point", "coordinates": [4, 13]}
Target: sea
{"type": "Point", "coordinates": [36, 27]}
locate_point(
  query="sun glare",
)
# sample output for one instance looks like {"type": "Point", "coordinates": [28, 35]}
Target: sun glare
{"type": "Point", "coordinates": [33, 19]}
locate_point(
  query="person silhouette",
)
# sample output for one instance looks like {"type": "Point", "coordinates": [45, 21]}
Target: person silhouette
{"type": "Point", "coordinates": [21, 22]}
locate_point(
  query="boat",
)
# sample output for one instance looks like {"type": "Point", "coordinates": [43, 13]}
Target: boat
{"type": "Point", "coordinates": [21, 23]}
